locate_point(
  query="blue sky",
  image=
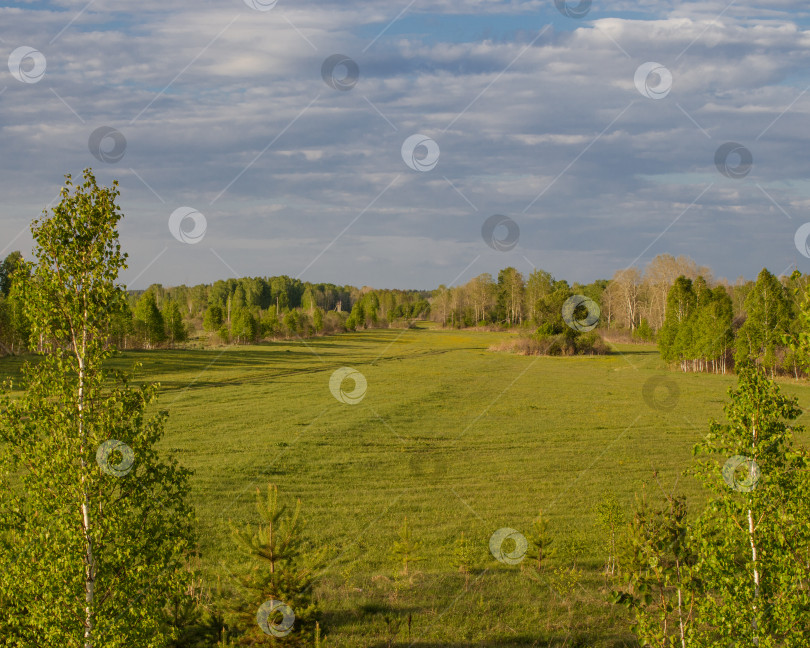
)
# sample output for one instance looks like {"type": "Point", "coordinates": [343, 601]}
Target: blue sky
{"type": "Point", "coordinates": [222, 108]}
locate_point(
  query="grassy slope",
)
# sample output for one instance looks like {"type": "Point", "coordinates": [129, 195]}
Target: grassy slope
{"type": "Point", "coordinates": [453, 436]}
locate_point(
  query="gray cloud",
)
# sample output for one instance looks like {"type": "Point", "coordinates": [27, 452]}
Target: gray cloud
{"type": "Point", "coordinates": [224, 109]}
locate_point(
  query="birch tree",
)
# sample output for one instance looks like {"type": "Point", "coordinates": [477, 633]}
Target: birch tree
{"type": "Point", "coordinates": [626, 290]}
{"type": "Point", "coordinates": [510, 295]}
{"type": "Point", "coordinates": [482, 289]}
{"type": "Point", "coordinates": [767, 320]}
{"type": "Point", "coordinates": [736, 575]}
{"type": "Point", "coordinates": [94, 525]}
{"type": "Point", "coordinates": [753, 536]}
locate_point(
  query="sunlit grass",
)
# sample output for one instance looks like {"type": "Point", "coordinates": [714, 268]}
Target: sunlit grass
{"type": "Point", "coordinates": [454, 436]}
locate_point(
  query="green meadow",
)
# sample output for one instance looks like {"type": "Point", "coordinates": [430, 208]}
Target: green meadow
{"type": "Point", "coordinates": [454, 436]}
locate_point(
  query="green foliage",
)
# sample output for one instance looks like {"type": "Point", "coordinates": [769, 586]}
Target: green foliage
{"type": "Point", "coordinates": [121, 328]}
{"type": "Point", "coordinates": [539, 285]}
{"type": "Point", "coordinates": [319, 640]}
{"type": "Point", "coordinates": [564, 580]}
{"type": "Point", "coordinates": [406, 549]}
{"type": "Point", "coordinates": [94, 542]}
{"type": "Point", "coordinates": [148, 320]}
{"type": "Point", "coordinates": [644, 331]}
{"type": "Point", "coordinates": [737, 574]}
{"type": "Point", "coordinates": [555, 421]}
{"type": "Point", "coordinates": [681, 301]}
{"type": "Point", "coordinates": [539, 542]}
{"type": "Point", "coordinates": [549, 308]}
{"type": "Point", "coordinates": [268, 301]}
{"type": "Point", "coordinates": [510, 296]}
{"type": "Point", "coordinates": [463, 558]}
{"type": "Point", "coordinates": [661, 586]}
{"type": "Point", "coordinates": [10, 266]}
{"type": "Point", "coordinates": [308, 302]}
{"type": "Point", "coordinates": [317, 319]}
{"type": "Point", "coordinates": [173, 320]}
{"type": "Point", "coordinates": [754, 542]}
{"type": "Point", "coordinates": [797, 338]}
{"type": "Point", "coordinates": [5, 328]}
{"type": "Point", "coordinates": [284, 568]}
{"type": "Point", "coordinates": [15, 332]}
{"type": "Point", "coordinates": [568, 343]}
{"type": "Point", "coordinates": [463, 554]}
{"type": "Point", "coordinates": [713, 335]}
{"type": "Point", "coordinates": [697, 332]}
{"type": "Point", "coordinates": [570, 547]}
{"type": "Point", "coordinates": [768, 311]}
{"type": "Point", "coordinates": [244, 327]}
{"type": "Point", "coordinates": [292, 323]}
{"type": "Point", "coordinates": [269, 326]}
{"type": "Point", "coordinates": [191, 623]}
{"type": "Point", "coordinates": [212, 320]}
{"type": "Point", "coordinates": [610, 517]}
{"type": "Point", "coordinates": [365, 312]}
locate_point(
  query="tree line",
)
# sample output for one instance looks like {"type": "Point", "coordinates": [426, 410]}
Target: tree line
{"type": "Point", "coordinates": [701, 331]}
{"type": "Point", "coordinates": [244, 310]}
{"type": "Point", "coordinates": [631, 299]}
{"type": "Point", "coordinates": [699, 323]}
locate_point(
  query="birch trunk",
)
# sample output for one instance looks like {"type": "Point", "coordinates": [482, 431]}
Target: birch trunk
{"type": "Point", "coordinates": [751, 533]}
{"type": "Point", "coordinates": [680, 606]}
{"type": "Point", "coordinates": [89, 562]}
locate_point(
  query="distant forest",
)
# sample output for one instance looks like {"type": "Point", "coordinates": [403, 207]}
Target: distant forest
{"type": "Point", "coordinates": [699, 323]}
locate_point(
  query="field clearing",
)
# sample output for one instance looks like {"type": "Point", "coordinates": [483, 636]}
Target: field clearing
{"type": "Point", "coordinates": [449, 434]}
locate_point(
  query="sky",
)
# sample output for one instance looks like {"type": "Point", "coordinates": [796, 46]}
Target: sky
{"type": "Point", "coordinates": [406, 143]}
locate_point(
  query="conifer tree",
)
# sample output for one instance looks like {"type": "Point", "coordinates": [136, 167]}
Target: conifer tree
{"type": "Point", "coordinates": [279, 579]}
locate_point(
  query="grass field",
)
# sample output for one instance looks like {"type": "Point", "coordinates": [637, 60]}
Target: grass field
{"type": "Point", "coordinates": [453, 436]}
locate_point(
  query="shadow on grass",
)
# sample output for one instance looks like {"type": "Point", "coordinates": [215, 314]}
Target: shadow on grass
{"type": "Point", "coordinates": [383, 612]}
{"type": "Point", "coordinates": [522, 640]}
{"type": "Point", "coordinates": [633, 352]}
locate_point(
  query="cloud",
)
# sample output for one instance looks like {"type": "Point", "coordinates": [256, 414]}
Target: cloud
{"type": "Point", "coordinates": [224, 109]}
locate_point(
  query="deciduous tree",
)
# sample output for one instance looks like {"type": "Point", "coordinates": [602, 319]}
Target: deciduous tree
{"type": "Point", "coordinates": [95, 523]}
{"type": "Point", "coordinates": [767, 320]}
{"type": "Point", "coordinates": [753, 537]}
{"type": "Point", "coordinates": [148, 321]}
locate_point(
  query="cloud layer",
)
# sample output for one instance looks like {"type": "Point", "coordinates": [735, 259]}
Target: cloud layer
{"type": "Point", "coordinates": [535, 115]}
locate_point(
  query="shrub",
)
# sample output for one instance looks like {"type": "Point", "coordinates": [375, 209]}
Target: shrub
{"type": "Point", "coordinates": [644, 332]}
{"type": "Point", "coordinates": [560, 344]}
